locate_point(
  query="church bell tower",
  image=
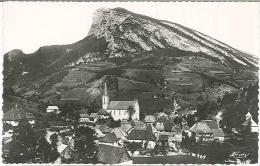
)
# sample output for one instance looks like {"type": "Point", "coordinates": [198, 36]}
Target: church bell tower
{"type": "Point", "coordinates": [105, 98]}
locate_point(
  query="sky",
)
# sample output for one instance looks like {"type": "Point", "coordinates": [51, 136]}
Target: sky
{"type": "Point", "coordinates": [30, 25]}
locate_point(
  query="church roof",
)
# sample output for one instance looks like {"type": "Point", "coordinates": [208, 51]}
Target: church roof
{"type": "Point", "coordinates": [120, 105]}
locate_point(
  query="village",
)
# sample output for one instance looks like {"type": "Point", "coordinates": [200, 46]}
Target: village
{"type": "Point", "coordinates": [116, 134]}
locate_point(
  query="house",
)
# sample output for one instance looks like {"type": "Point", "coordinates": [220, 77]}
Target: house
{"type": "Point", "coordinates": [52, 108]}
{"type": "Point", "coordinates": [149, 119]}
{"type": "Point", "coordinates": [65, 151]}
{"type": "Point", "coordinates": [140, 135]}
{"type": "Point", "coordinates": [163, 124]}
{"type": "Point", "coordinates": [144, 136]}
{"type": "Point", "coordinates": [95, 116]}
{"type": "Point", "coordinates": [207, 130]}
{"type": "Point", "coordinates": [162, 140]}
{"type": "Point", "coordinates": [120, 110]}
{"type": "Point", "coordinates": [108, 154]}
{"type": "Point", "coordinates": [250, 123]}
{"type": "Point", "coordinates": [16, 114]}
{"type": "Point", "coordinates": [103, 114]}
{"type": "Point", "coordinates": [86, 118]}
{"type": "Point", "coordinates": [176, 134]}
{"type": "Point", "coordinates": [99, 134]}
{"type": "Point", "coordinates": [187, 111]}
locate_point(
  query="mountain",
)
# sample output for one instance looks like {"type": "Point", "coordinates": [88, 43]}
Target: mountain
{"type": "Point", "coordinates": [141, 56]}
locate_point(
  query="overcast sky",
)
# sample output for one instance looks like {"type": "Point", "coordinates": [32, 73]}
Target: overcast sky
{"type": "Point", "coordinates": [30, 25]}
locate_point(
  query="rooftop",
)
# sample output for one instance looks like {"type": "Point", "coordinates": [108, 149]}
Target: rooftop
{"type": "Point", "coordinates": [163, 137]}
{"type": "Point", "coordinates": [109, 138]}
{"type": "Point", "coordinates": [136, 134]}
{"type": "Point", "coordinates": [204, 126]}
{"type": "Point", "coordinates": [84, 116]}
{"type": "Point", "coordinates": [120, 105]}
{"type": "Point", "coordinates": [53, 107]}
{"type": "Point", "coordinates": [218, 133]}
{"type": "Point", "coordinates": [94, 115]}
{"type": "Point", "coordinates": [103, 112]}
{"type": "Point", "coordinates": [149, 119]}
{"type": "Point", "coordinates": [112, 154]}
{"type": "Point", "coordinates": [104, 128]}
{"type": "Point", "coordinates": [126, 127]}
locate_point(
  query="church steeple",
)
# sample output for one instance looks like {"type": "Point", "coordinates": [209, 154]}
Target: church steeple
{"type": "Point", "coordinates": [105, 89]}
{"type": "Point", "coordinates": [105, 98]}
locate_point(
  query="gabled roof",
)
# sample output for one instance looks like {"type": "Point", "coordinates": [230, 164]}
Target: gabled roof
{"type": "Point", "coordinates": [120, 105]}
{"type": "Point", "coordinates": [166, 124]}
{"type": "Point", "coordinates": [250, 122]}
{"type": "Point", "coordinates": [248, 114]}
{"type": "Point", "coordinates": [112, 154]}
{"type": "Point", "coordinates": [184, 111]}
{"type": "Point", "coordinates": [138, 124]}
{"type": "Point", "coordinates": [94, 115]}
{"type": "Point", "coordinates": [17, 114]}
{"type": "Point", "coordinates": [53, 107]}
{"type": "Point", "coordinates": [61, 147]}
{"type": "Point", "coordinates": [163, 137]}
{"type": "Point", "coordinates": [204, 126]}
{"type": "Point", "coordinates": [149, 119]}
{"type": "Point", "coordinates": [126, 127]}
{"type": "Point", "coordinates": [109, 138]}
{"type": "Point", "coordinates": [120, 133]}
{"type": "Point", "coordinates": [218, 133]}
{"type": "Point", "coordinates": [136, 134]}
{"type": "Point", "coordinates": [84, 116]}
{"type": "Point", "coordinates": [162, 119]}
{"type": "Point", "coordinates": [103, 112]}
{"type": "Point", "coordinates": [104, 128]}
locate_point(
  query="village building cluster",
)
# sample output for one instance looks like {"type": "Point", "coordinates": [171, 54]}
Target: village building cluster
{"type": "Point", "coordinates": [142, 136]}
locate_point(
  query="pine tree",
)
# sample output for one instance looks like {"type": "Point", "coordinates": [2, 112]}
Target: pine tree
{"type": "Point", "coordinates": [22, 147]}
{"type": "Point", "coordinates": [85, 147]}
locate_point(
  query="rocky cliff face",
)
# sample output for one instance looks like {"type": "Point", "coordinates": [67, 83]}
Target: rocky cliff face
{"type": "Point", "coordinates": [139, 52]}
{"type": "Point", "coordinates": [128, 32]}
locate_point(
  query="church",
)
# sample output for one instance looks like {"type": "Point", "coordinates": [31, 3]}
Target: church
{"type": "Point", "coordinates": [120, 110]}
{"type": "Point", "coordinates": [253, 126]}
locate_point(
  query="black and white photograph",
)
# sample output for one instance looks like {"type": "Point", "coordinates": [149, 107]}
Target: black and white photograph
{"type": "Point", "coordinates": [129, 82]}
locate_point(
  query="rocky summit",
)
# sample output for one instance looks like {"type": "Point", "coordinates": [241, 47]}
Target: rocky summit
{"type": "Point", "coordinates": [140, 56]}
